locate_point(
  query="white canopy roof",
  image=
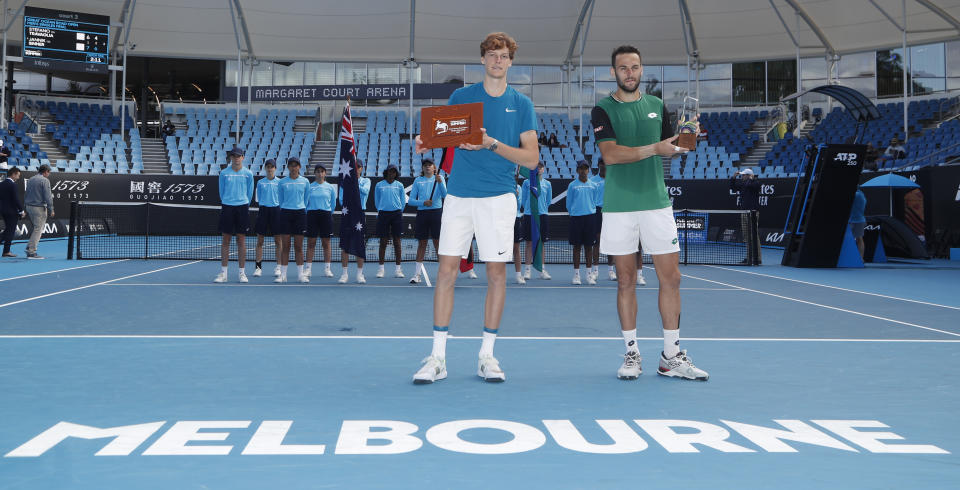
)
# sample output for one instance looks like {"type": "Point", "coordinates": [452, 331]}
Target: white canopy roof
{"type": "Point", "coordinates": [546, 30]}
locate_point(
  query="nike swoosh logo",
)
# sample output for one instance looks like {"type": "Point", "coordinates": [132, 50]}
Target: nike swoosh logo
{"type": "Point", "coordinates": [501, 253]}
{"type": "Point", "coordinates": [514, 110]}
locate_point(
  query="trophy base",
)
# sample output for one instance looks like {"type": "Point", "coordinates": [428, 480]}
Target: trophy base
{"type": "Point", "coordinates": [688, 141]}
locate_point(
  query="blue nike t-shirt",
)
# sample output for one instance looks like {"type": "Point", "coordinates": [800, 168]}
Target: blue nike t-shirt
{"type": "Point", "coordinates": [483, 173]}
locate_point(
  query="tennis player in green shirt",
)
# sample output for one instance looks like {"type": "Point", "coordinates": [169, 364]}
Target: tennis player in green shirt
{"type": "Point", "coordinates": [633, 132]}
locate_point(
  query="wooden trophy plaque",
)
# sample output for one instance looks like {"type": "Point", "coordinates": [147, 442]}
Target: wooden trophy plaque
{"type": "Point", "coordinates": [451, 125]}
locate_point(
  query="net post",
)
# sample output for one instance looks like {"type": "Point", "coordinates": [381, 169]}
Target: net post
{"type": "Point", "coordinates": [72, 233]}
{"type": "Point", "coordinates": [146, 234]}
{"type": "Point", "coordinates": [754, 239]}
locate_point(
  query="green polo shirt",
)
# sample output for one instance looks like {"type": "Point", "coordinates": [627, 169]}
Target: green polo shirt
{"type": "Point", "coordinates": [634, 186]}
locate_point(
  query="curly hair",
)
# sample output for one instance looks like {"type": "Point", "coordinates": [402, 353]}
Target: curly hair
{"type": "Point", "coordinates": [498, 40]}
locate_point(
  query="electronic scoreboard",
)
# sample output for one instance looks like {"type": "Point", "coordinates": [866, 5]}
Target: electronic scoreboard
{"type": "Point", "coordinates": [62, 40]}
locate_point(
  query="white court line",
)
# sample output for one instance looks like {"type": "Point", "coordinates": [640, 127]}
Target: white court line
{"type": "Point", "coordinates": [94, 284]}
{"type": "Point", "coordinates": [425, 337]}
{"type": "Point", "coordinates": [828, 306]}
{"type": "Point", "coordinates": [61, 270]}
{"type": "Point", "coordinates": [389, 286]}
{"type": "Point", "coordinates": [837, 287]}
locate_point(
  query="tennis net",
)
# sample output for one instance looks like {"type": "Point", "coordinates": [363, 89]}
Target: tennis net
{"type": "Point", "coordinates": [110, 230]}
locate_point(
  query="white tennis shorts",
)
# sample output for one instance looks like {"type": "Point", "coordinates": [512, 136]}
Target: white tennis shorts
{"type": "Point", "coordinates": [490, 219]}
{"type": "Point", "coordinates": [623, 233]}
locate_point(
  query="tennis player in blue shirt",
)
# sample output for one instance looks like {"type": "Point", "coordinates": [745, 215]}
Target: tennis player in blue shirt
{"type": "Point", "coordinates": [543, 206]}
{"type": "Point", "coordinates": [390, 199]}
{"type": "Point", "coordinates": [481, 201]}
{"type": "Point", "coordinates": [364, 183]}
{"type": "Point", "coordinates": [236, 191]}
{"type": "Point", "coordinates": [427, 195]}
{"type": "Point", "coordinates": [581, 206]}
{"type": "Point", "coordinates": [293, 218]}
{"type": "Point", "coordinates": [268, 214]}
{"type": "Point", "coordinates": [321, 201]}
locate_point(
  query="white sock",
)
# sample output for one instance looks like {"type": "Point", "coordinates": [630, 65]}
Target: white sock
{"type": "Point", "coordinates": [399, 267]}
{"type": "Point", "coordinates": [486, 346]}
{"type": "Point", "coordinates": [612, 269]}
{"type": "Point", "coordinates": [439, 343]}
{"type": "Point", "coordinates": [300, 270]}
{"type": "Point", "coordinates": [283, 273]}
{"type": "Point", "coordinates": [576, 272]}
{"type": "Point", "coordinates": [359, 269]}
{"type": "Point", "coordinates": [529, 267]}
{"type": "Point", "coordinates": [630, 340]}
{"type": "Point", "coordinates": [419, 268]}
{"type": "Point", "coordinates": [223, 270]}
{"type": "Point", "coordinates": [380, 269]}
{"type": "Point", "coordinates": [671, 343]}
{"type": "Point", "coordinates": [326, 266]}
{"type": "Point", "coordinates": [308, 267]}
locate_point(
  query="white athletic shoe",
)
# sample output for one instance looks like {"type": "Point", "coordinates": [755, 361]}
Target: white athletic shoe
{"type": "Point", "coordinates": [640, 280]}
{"type": "Point", "coordinates": [544, 275]}
{"type": "Point", "coordinates": [472, 274]}
{"type": "Point", "coordinates": [415, 279]}
{"type": "Point", "coordinates": [433, 369]}
{"type": "Point", "coordinates": [276, 271]}
{"type": "Point", "coordinates": [681, 367]}
{"type": "Point", "coordinates": [520, 279]}
{"type": "Point", "coordinates": [327, 272]}
{"type": "Point", "coordinates": [630, 369]}
{"type": "Point", "coordinates": [308, 271]}
{"type": "Point", "coordinates": [361, 279]}
{"type": "Point", "coordinates": [526, 274]}
{"type": "Point", "coordinates": [612, 275]}
{"type": "Point", "coordinates": [398, 273]}
{"type": "Point", "coordinates": [303, 278]}
{"type": "Point", "coordinates": [257, 272]}
{"type": "Point", "coordinates": [343, 278]}
{"type": "Point", "coordinates": [221, 278]}
{"type": "Point", "coordinates": [576, 279]}
{"type": "Point", "coordinates": [280, 279]}
{"type": "Point", "coordinates": [488, 368]}
{"type": "Point", "coordinates": [591, 279]}
{"type": "Point", "coordinates": [242, 277]}
{"type": "Point", "coordinates": [380, 272]}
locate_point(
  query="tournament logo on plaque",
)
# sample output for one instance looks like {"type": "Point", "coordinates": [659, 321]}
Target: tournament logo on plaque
{"type": "Point", "coordinates": [451, 125]}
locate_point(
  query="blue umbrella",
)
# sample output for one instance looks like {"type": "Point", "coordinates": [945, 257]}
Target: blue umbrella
{"type": "Point", "coordinates": [891, 181]}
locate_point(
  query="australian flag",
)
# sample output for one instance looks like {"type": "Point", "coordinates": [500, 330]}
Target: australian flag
{"type": "Point", "coordinates": [353, 221]}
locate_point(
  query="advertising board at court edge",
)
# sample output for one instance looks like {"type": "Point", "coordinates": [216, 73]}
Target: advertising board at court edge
{"type": "Point", "coordinates": [390, 437]}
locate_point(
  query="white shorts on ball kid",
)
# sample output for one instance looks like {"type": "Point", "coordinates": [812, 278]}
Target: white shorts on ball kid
{"type": "Point", "coordinates": [623, 233]}
{"type": "Point", "coordinates": [490, 219]}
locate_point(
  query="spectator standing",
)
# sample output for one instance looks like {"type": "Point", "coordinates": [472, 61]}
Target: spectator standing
{"type": "Point", "coordinates": [39, 202]}
{"type": "Point", "coordinates": [10, 209]}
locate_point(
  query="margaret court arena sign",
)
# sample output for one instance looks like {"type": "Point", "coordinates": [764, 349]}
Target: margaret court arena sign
{"type": "Point", "coordinates": [305, 93]}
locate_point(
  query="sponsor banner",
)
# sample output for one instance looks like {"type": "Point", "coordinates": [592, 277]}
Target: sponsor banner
{"type": "Point", "coordinates": [941, 204]}
{"type": "Point", "coordinates": [54, 228]}
{"type": "Point", "coordinates": [305, 93]}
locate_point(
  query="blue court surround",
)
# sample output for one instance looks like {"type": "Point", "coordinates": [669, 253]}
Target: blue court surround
{"type": "Point", "coordinates": [135, 342]}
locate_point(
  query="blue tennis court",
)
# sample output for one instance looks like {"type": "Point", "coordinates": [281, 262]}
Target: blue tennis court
{"type": "Point", "coordinates": [145, 374]}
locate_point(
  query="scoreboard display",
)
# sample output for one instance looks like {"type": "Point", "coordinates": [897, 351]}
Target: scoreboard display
{"type": "Point", "coordinates": [62, 40]}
